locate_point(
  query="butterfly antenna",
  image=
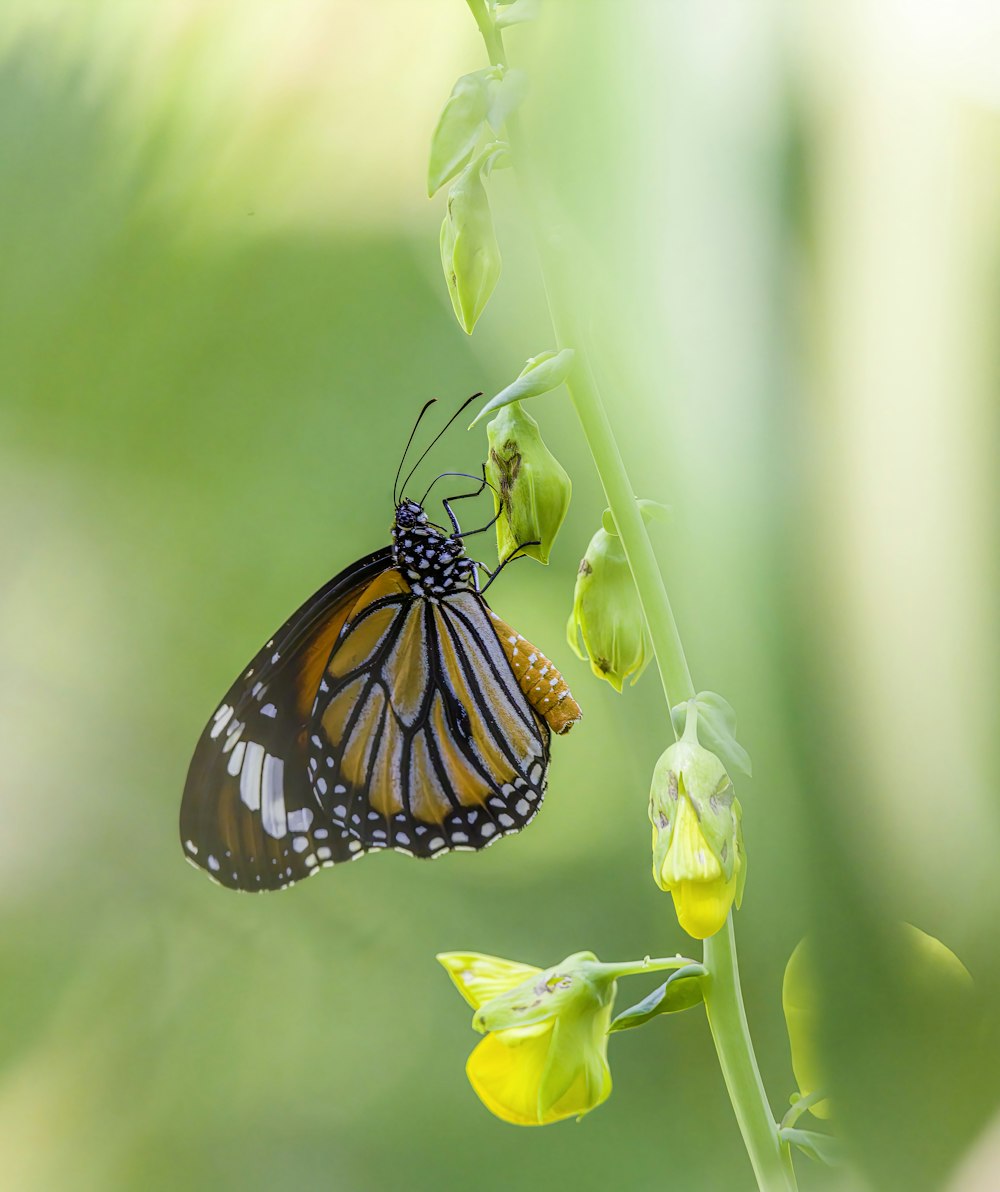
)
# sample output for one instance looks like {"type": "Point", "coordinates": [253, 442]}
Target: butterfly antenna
{"type": "Point", "coordinates": [395, 483]}
{"type": "Point", "coordinates": [468, 401]}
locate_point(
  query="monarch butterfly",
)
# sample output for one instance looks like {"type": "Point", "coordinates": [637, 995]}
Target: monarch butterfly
{"type": "Point", "coordinates": [393, 710]}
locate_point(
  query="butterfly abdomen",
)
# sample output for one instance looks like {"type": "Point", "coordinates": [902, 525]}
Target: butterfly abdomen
{"type": "Point", "coordinates": [543, 685]}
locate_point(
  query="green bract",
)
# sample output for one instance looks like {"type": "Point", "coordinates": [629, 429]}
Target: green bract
{"type": "Point", "coordinates": [716, 728]}
{"type": "Point", "coordinates": [541, 373]}
{"type": "Point", "coordinates": [459, 128]}
{"type": "Point", "coordinates": [607, 616]}
{"type": "Point", "coordinates": [531, 490]}
{"type": "Point", "coordinates": [470, 255]}
{"type": "Point", "coordinates": [514, 12]}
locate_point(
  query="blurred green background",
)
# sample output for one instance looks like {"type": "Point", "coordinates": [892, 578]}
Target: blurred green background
{"type": "Point", "coordinates": [221, 308]}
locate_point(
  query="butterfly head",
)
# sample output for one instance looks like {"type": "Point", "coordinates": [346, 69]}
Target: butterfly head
{"type": "Point", "coordinates": [433, 561]}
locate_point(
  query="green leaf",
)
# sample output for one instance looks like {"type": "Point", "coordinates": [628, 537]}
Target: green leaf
{"type": "Point", "coordinates": [503, 95]}
{"type": "Point", "coordinates": [460, 126]}
{"type": "Point", "coordinates": [650, 510]}
{"type": "Point", "coordinates": [539, 375]}
{"type": "Point", "coordinates": [514, 12]}
{"type": "Point", "coordinates": [822, 1147]}
{"type": "Point", "coordinates": [680, 991]}
{"type": "Point", "coordinates": [716, 729]}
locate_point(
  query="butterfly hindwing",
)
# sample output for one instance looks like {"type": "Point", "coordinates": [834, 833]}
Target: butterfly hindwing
{"type": "Point", "coordinates": [249, 816]}
{"type": "Point", "coordinates": [421, 739]}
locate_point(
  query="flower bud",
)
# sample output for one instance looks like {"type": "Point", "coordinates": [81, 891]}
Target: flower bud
{"type": "Point", "coordinates": [531, 488]}
{"type": "Point", "coordinates": [544, 1056]}
{"type": "Point", "coordinates": [607, 615]}
{"type": "Point", "coordinates": [698, 853]}
{"type": "Point", "coordinates": [926, 965]}
{"type": "Point", "coordinates": [470, 255]}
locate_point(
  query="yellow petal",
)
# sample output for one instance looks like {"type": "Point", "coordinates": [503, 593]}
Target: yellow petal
{"type": "Point", "coordinates": [689, 859]}
{"type": "Point", "coordinates": [479, 978]}
{"type": "Point", "coordinates": [703, 907]}
{"type": "Point", "coordinates": [507, 1073]}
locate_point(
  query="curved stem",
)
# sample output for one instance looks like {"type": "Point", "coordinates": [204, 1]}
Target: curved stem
{"type": "Point", "coordinates": [723, 998]}
{"type": "Point", "coordinates": [727, 1021]}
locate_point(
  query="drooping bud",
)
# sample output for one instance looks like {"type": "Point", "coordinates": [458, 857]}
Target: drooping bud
{"type": "Point", "coordinates": [698, 853]}
{"type": "Point", "coordinates": [926, 966]}
{"type": "Point", "coordinates": [607, 616]}
{"type": "Point", "coordinates": [531, 490]}
{"type": "Point", "coordinates": [544, 1057]}
{"type": "Point", "coordinates": [470, 255]}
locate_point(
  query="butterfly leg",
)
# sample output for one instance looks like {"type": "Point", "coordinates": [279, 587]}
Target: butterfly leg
{"type": "Point", "coordinates": [514, 554]}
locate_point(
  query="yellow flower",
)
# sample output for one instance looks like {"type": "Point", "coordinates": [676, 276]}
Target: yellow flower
{"type": "Point", "coordinates": [926, 964]}
{"type": "Point", "coordinates": [607, 616]}
{"type": "Point", "coordinates": [698, 853]}
{"type": "Point", "coordinates": [544, 1057]}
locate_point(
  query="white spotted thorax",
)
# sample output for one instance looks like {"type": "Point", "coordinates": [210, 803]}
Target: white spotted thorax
{"type": "Point", "coordinates": [434, 563]}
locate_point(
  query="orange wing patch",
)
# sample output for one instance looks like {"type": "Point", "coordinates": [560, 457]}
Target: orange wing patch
{"type": "Point", "coordinates": [544, 687]}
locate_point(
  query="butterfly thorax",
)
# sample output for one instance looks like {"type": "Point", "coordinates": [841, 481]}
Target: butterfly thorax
{"type": "Point", "coordinates": [432, 561]}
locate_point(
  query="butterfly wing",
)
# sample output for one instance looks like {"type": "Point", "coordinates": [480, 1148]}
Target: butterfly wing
{"type": "Point", "coordinates": [249, 816]}
{"type": "Point", "coordinates": [421, 739]}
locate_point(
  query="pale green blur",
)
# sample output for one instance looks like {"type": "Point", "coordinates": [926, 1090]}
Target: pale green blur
{"type": "Point", "coordinates": [221, 309]}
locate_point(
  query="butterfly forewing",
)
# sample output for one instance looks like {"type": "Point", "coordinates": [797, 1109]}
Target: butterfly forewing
{"type": "Point", "coordinates": [249, 815]}
{"type": "Point", "coordinates": [421, 739]}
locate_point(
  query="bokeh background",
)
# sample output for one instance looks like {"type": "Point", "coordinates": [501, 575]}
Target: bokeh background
{"type": "Point", "coordinates": [220, 309]}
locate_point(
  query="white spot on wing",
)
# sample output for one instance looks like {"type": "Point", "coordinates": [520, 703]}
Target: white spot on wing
{"type": "Point", "coordinates": [221, 719]}
{"type": "Point", "coordinates": [250, 775]}
{"type": "Point", "coordinates": [300, 819]}
{"type": "Point", "coordinates": [272, 807]}
{"type": "Point", "coordinates": [236, 759]}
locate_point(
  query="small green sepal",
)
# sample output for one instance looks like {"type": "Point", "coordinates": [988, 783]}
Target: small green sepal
{"type": "Point", "coordinates": [716, 729]}
{"type": "Point", "coordinates": [681, 990]}
{"type": "Point", "coordinates": [824, 1148]}
{"type": "Point", "coordinates": [531, 489]}
{"type": "Point", "coordinates": [541, 373]}
{"type": "Point", "coordinates": [650, 510]}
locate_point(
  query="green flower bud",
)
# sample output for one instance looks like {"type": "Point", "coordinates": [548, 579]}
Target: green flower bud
{"type": "Point", "coordinates": [698, 854]}
{"type": "Point", "coordinates": [544, 1057]}
{"type": "Point", "coordinates": [531, 489]}
{"type": "Point", "coordinates": [606, 614]}
{"type": "Point", "coordinates": [470, 255]}
{"type": "Point", "coordinates": [927, 966]}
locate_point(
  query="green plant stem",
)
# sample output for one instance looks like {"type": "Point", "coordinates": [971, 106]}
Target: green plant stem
{"type": "Point", "coordinates": [727, 1021]}
{"type": "Point", "coordinates": [723, 998]}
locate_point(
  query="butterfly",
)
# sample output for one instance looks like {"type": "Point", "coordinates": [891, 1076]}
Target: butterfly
{"type": "Point", "coordinates": [393, 710]}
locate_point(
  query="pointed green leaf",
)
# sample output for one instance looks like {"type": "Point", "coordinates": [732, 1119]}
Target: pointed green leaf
{"type": "Point", "coordinates": [716, 729]}
{"type": "Point", "coordinates": [539, 375]}
{"type": "Point", "coordinates": [822, 1147]}
{"type": "Point", "coordinates": [680, 991]}
{"type": "Point", "coordinates": [459, 127]}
